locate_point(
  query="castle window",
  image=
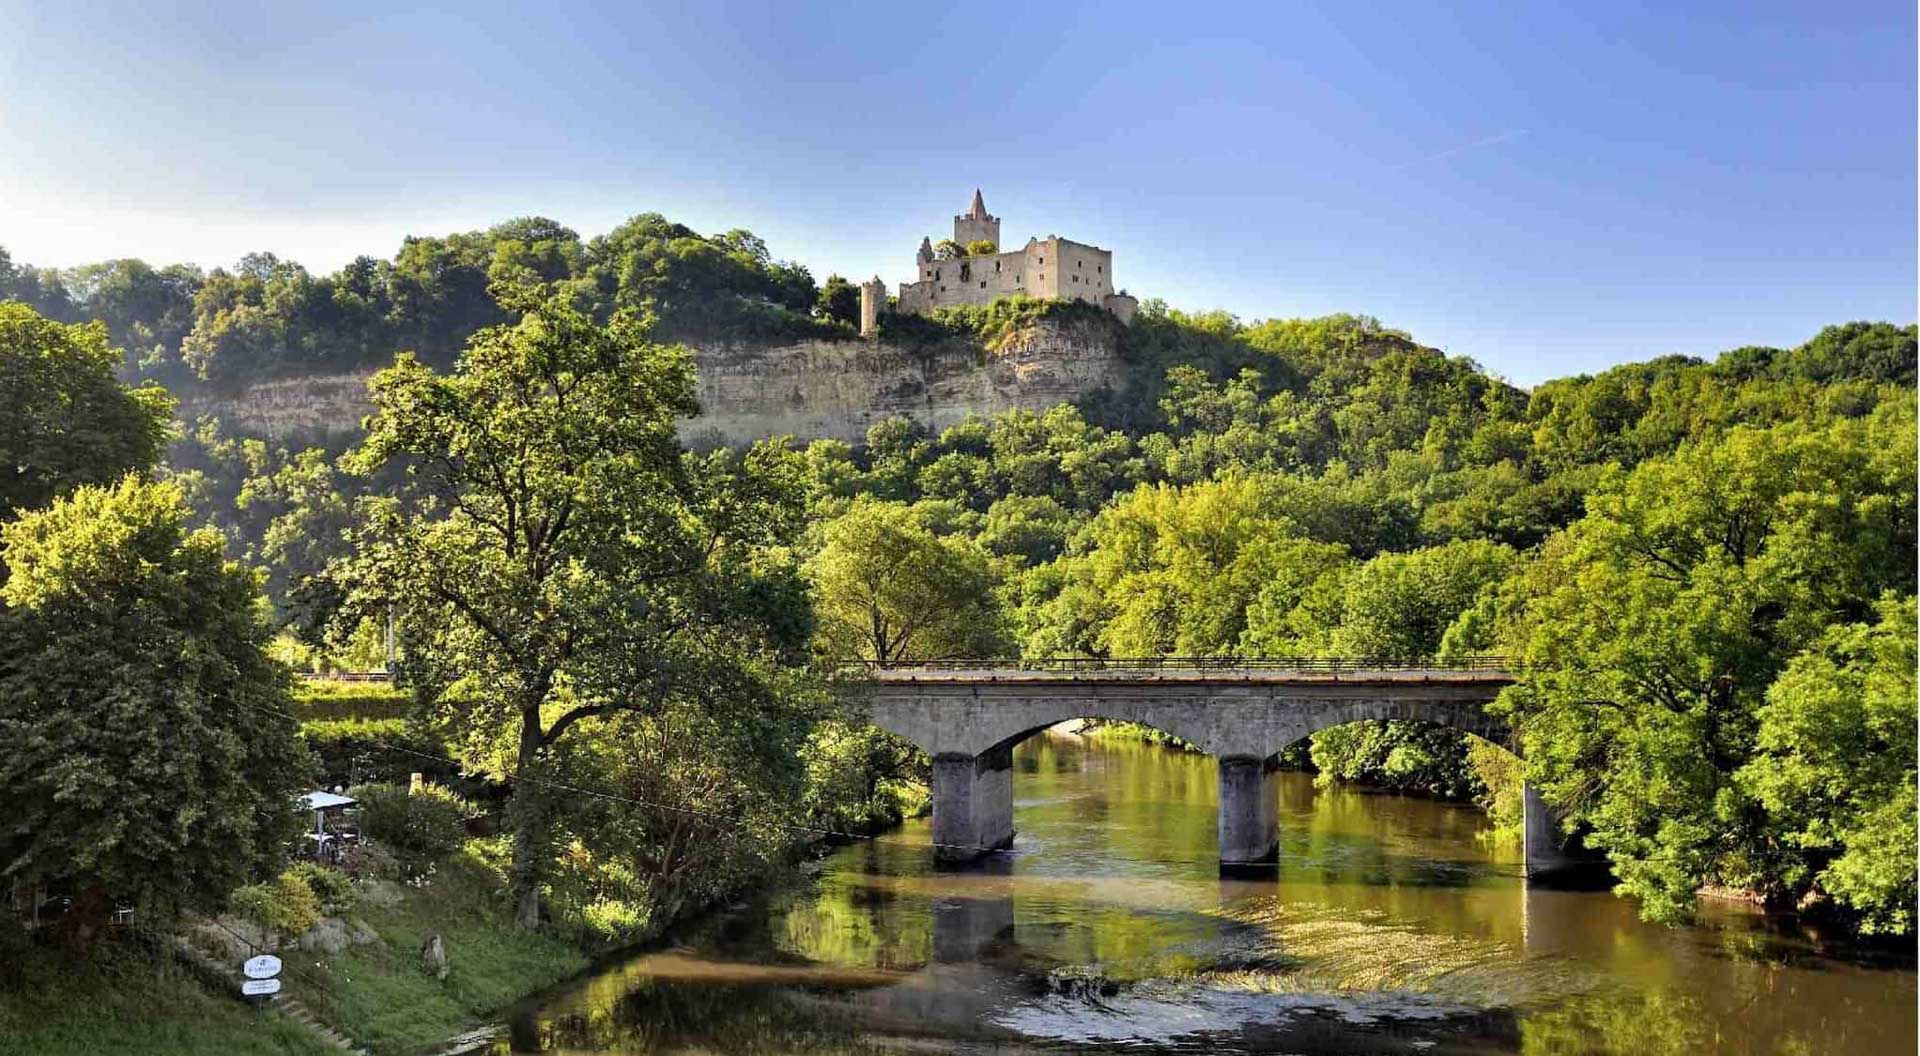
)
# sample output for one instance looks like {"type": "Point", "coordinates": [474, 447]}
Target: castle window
{"type": "Point", "coordinates": [983, 284]}
{"type": "Point", "coordinates": [936, 274]}
{"type": "Point", "coordinates": [996, 267]}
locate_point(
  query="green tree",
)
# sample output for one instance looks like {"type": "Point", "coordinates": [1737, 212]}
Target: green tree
{"type": "Point", "coordinates": [64, 418]}
{"type": "Point", "coordinates": [145, 756]}
{"type": "Point", "coordinates": [1397, 606]}
{"type": "Point", "coordinates": [563, 558]}
{"type": "Point", "coordinates": [1835, 767]}
{"type": "Point", "coordinates": [839, 301]}
{"type": "Point", "coordinates": [887, 588]}
{"type": "Point", "coordinates": [981, 247]}
{"type": "Point", "coordinates": [948, 249]}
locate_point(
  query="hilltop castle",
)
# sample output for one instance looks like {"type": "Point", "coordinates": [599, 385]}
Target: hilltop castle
{"type": "Point", "coordinates": [1052, 268]}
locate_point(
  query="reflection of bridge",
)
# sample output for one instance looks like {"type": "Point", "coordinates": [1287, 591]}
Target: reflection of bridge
{"type": "Point", "coordinates": [968, 715]}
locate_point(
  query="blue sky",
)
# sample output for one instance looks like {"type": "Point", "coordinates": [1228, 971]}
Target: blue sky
{"type": "Point", "coordinates": [1548, 191]}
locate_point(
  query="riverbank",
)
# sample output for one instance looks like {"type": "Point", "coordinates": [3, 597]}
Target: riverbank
{"type": "Point", "coordinates": [385, 995]}
{"type": "Point", "coordinates": [134, 1003]}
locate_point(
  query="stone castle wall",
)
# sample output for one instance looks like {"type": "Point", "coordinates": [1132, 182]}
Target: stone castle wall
{"type": "Point", "coordinates": [1051, 269]}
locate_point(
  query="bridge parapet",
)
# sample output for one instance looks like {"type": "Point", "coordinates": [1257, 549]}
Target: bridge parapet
{"type": "Point", "coordinates": [1498, 667]}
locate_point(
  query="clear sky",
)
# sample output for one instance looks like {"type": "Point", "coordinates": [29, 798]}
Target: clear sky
{"type": "Point", "coordinates": [1549, 188]}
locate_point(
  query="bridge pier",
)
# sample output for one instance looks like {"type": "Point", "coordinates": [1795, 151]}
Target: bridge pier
{"type": "Point", "coordinates": [972, 803]}
{"type": "Point", "coordinates": [1543, 843]}
{"type": "Point", "coordinates": [1249, 810]}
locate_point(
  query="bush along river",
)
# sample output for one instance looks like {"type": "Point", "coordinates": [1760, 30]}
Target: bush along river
{"type": "Point", "coordinates": [1390, 925]}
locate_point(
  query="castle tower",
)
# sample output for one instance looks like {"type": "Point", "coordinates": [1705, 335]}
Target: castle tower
{"type": "Point", "coordinates": [975, 225]}
{"type": "Point", "coordinates": [873, 297]}
{"type": "Point", "coordinates": [925, 256]}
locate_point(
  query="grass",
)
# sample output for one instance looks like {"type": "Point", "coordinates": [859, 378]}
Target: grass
{"type": "Point", "coordinates": [382, 995]}
{"type": "Point", "coordinates": [137, 1006]}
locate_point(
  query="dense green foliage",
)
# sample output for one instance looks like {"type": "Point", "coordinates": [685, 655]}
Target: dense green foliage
{"type": "Point", "coordinates": [65, 420]}
{"type": "Point", "coordinates": [421, 826]}
{"type": "Point", "coordinates": [145, 755]}
{"type": "Point", "coordinates": [1834, 765]}
{"type": "Point", "coordinates": [1654, 628]}
{"type": "Point", "coordinates": [266, 317]}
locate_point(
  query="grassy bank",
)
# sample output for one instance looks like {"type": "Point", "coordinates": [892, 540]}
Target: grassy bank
{"type": "Point", "coordinates": [383, 995]}
{"type": "Point", "coordinates": [136, 1006]}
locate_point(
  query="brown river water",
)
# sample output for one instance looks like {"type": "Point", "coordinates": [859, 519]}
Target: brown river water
{"type": "Point", "coordinates": [1390, 925]}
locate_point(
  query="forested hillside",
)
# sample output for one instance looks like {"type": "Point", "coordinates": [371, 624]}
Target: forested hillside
{"type": "Point", "coordinates": [1703, 566]}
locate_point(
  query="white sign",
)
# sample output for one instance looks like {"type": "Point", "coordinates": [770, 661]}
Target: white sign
{"type": "Point", "coordinates": [265, 966]}
{"type": "Point", "coordinates": [260, 987]}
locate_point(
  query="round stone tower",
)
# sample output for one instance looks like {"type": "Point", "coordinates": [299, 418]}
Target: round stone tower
{"type": "Point", "coordinates": [873, 297]}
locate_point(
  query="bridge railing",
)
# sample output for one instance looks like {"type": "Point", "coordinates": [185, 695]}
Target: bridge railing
{"type": "Point", "coordinates": [1320, 665]}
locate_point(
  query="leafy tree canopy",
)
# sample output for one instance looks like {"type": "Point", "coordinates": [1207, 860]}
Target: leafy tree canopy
{"type": "Point", "coordinates": [65, 420]}
{"type": "Point", "coordinates": [145, 757]}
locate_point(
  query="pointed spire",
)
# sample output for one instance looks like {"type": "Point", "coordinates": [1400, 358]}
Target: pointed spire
{"type": "Point", "coordinates": [978, 211]}
{"type": "Point", "coordinates": [926, 250]}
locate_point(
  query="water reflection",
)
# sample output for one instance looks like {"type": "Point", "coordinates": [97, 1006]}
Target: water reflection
{"type": "Point", "coordinates": [1389, 925]}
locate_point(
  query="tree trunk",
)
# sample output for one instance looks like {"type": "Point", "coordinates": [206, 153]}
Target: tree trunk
{"type": "Point", "coordinates": [529, 815]}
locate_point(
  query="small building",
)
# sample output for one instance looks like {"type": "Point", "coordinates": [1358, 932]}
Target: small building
{"type": "Point", "coordinates": [1052, 268]}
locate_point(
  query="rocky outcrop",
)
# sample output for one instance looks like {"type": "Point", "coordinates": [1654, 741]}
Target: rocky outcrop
{"type": "Point", "coordinates": [304, 410]}
{"type": "Point", "coordinates": [837, 389]}
{"type": "Point", "coordinates": [809, 389]}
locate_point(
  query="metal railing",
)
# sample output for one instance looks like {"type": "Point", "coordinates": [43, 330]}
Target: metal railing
{"type": "Point", "coordinates": [1315, 665]}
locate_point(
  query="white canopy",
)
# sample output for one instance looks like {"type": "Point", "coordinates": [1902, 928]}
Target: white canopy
{"type": "Point", "coordinates": [325, 800]}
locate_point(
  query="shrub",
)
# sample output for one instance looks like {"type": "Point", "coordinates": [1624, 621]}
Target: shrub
{"type": "Point", "coordinates": [285, 906]}
{"type": "Point", "coordinates": [374, 750]}
{"type": "Point", "coordinates": [370, 861]}
{"type": "Point", "coordinates": [331, 886]}
{"type": "Point", "coordinates": [317, 699]}
{"type": "Point", "coordinates": [420, 828]}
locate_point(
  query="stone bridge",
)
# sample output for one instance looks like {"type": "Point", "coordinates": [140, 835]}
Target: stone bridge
{"type": "Point", "coordinates": [967, 715]}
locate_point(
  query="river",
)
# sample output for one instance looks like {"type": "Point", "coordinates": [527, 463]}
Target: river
{"type": "Point", "coordinates": [1391, 925]}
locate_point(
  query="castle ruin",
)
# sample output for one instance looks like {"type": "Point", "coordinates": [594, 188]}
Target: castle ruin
{"type": "Point", "coordinates": [1052, 268]}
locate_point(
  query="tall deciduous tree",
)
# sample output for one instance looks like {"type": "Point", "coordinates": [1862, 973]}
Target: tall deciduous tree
{"type": "Point", "coordinates": [564, 558]}
{"type": "Point", "coordinates": [64, 418]}
{"type": "Point", "coordinates": [887, 588]}
{"type": "Point", "coordinates": [144, 756]}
